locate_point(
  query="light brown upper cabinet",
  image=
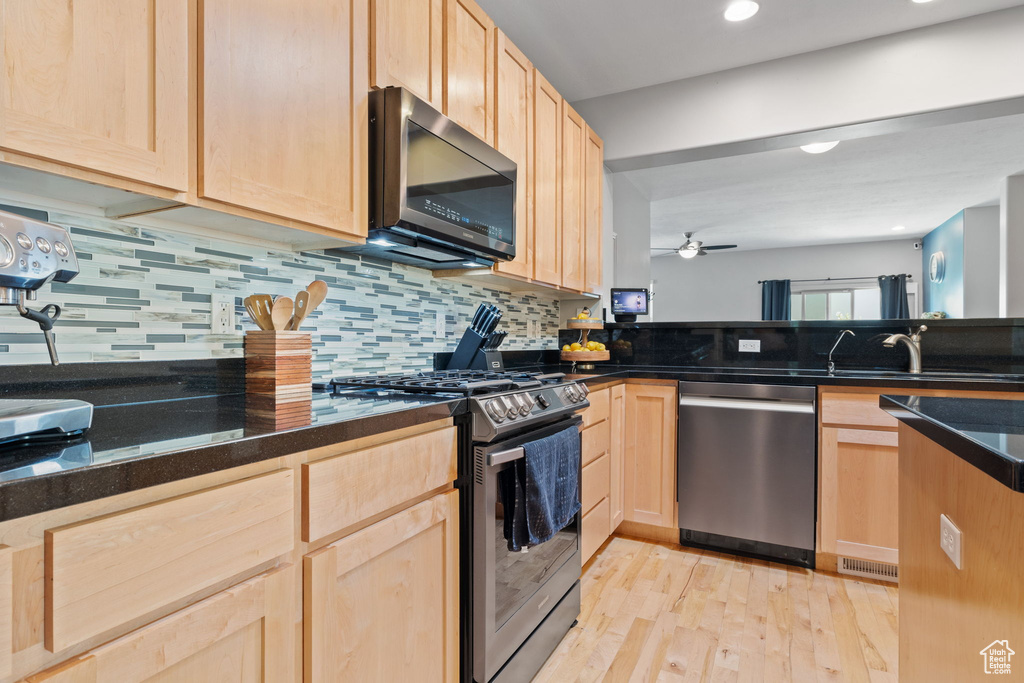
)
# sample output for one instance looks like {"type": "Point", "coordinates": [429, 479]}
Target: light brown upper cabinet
{"type": "Point", "coordinates": [100, 85]}
{"type": "Point", "coordinates": [574, 136]}
{"type": "Point", "coordinates": [283, 126]}
{"type": "Point", "coordinates": [469, 68]}
{"type": "Point", "coordinates": [592, 214]}
{"type": "Point", "coordinates": [513, 137]}
{"type": "Point", "coordinates": [407, 47]}
{"type": "Point", "coordinates": [650, 455]}
{"type": "Point", "coordinates": [547, 169]}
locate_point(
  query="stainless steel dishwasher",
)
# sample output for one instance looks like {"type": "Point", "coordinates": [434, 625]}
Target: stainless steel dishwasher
{"type": "Point", "coordinates": [747, 469]}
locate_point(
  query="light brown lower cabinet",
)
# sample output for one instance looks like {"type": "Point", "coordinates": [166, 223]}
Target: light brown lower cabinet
{"type": "Point", "coordinates": [245, 633]}
{"type": "Point", "coordinates": [650, 455]}
{"type": "Point", "coordinates": [617, 452]}
{"type": "Point", "coordinates": [383, 603]}
{"type": "Point", "coordinates": [596, 473]}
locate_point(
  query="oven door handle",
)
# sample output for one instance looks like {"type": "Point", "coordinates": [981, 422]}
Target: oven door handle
{"type": "Point", "coordinates": [502, 457]}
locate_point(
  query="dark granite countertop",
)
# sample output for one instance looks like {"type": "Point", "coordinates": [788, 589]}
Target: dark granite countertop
{"type": "Point", "coordinates": [987, 433]}
{"type": "Point", "coordinates": [135, 445]}
{"type": "Point", "coordinates": [798, 376]}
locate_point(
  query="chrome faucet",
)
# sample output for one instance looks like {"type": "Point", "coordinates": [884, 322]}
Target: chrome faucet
{"type": "Point", "coordinates": [831, 365]}
{"type": "Point", "coordinates": [913, 343]}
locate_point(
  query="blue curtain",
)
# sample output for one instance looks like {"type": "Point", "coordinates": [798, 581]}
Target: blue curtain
{"type": "Point", "coordinates": [895, 305]}
{"type": "Point", "coordinates": [775, 300]}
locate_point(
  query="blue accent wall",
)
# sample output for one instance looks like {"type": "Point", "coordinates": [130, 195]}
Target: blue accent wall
{"type": "Point", "coordinates": [947, 295]}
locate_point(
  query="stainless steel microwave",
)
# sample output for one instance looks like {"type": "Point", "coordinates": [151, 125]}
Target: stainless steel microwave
{"type": "Point", "coordinates": [440, 197]}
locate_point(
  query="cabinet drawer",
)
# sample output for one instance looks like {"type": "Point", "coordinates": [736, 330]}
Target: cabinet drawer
{"type": "Point", "coordinates": [595, 529]}
{"type": "Point", "coordinates": [596, 482]}
{"type": "Point", "coordinates": [347, 489]}
{"type": "Point", "coordinates": [104, 572]}
{"type": "Point", "coordinates": [244, 629]}
{"type": "Point", "coordinates": [600, 407]}
{"type": "Point", "coordinates": [596, 441]}
{"type": "Point", "coordinates": [859, 410]}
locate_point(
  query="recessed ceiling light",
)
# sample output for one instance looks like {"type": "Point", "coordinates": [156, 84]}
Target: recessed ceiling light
{"type": "Point", "coordinates": [899, 227]}
{"type": "Point", "coordinates": [741, 10]}
{"type": "Point", "coordinates": [819, 147]}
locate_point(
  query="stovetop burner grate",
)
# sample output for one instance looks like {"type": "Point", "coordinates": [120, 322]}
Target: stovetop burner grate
{"type": "Point", "coordinates": [465, 382]}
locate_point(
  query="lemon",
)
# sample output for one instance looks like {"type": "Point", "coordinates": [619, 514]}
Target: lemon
{"type": "Point", "coordinates": [566, 348]}
{"type": "Point", "coordinates": [575, 347]}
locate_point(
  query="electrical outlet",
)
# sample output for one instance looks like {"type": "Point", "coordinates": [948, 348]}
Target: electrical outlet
{"type": "Point", "coordinates": [950, 540]}
{"type": "Point", "coordinates": [750, 346]}
{"type": "Point", "coordinates": [222, 314]}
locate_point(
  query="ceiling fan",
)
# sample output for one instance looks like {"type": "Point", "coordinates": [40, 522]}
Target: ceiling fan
{"type": "Point", "coordinates": [694, 248]}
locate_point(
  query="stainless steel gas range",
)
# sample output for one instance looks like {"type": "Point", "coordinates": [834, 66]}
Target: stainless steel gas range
{"type": "Point", "coordinates": [517, 606]}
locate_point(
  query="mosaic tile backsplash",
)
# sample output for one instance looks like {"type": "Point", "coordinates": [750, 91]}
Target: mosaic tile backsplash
{"type": "Point", "coordinates": [146, 294]}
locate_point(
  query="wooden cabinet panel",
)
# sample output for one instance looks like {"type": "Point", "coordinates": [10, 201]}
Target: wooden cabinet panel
{"type": "Point", "coordinates": [513, 137]}
{"type": "Point", "coordinates": [617, 451]}
{"type": "Point", "coordinates": [407, 46]}
{"type": "Point", "coordinates": [594, 529]}
{"type": "Point", "coordinates": [574, 133]}
{"type": "Point", "coordinates": [596, 482]}
{"type": "Point", "coordinates": [246, 633]}
{"type": "Point", "coordinates": [650, 467]}
{"type": "Point", "coordinates": [854, 409]}
{"type": "Point", "coordinates": [103, 572]}
{"type": "Point", "coordinates": [595, 440]}
{"type": "Point", "coordinates": [347, 489]}
{"type": "Point", "coordinates": [593, 204]}
{"type": "Point", "coordinates": [284, 109]}
{"type": "Point", "coordinates": [600, 405]}
{"type": "Point", "coordinates": [547, 170]}
{"type": "Point", "coordinates": [469, 67]}
{"type": "Point", "coordinates": [383, 603]}
{"type": "Point", "coordinates": [6, 610]}
{"type": "Point", "coordinates": [100, 85]}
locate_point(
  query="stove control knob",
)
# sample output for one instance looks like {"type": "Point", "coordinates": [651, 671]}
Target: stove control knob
{"type": "Point", "coordinates": [542, 401]}
{"type": "Point", "coordinates": [528, 402]}
{"type": "Point", "coordinates": [572, 393]}
{"type": "Point", "coordinates": [584, 389]}
{"type": "Point", "coordinates": [496, 410]}
{"type": "Point", "coordinates": [520, 404]}
{"type": "Point", "coordinates": [511, 410]}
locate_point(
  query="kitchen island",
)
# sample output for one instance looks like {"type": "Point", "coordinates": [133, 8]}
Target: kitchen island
{"type": "Point", "coordinates": [962, 458]}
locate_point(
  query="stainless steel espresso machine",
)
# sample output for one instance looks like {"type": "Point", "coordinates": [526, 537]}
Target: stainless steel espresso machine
{"type": "Point", "coordinates": [33, 253]}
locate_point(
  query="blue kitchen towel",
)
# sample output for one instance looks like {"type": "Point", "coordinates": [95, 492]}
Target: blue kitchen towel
{"type": "Point", "coordinates": [551, 483]}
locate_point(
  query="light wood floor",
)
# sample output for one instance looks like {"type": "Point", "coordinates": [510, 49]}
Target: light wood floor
{"type": "Point", "coordinates": [655, 612]}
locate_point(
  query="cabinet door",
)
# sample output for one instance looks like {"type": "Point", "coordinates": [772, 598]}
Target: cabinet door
{"type": "Point", "coordinates": [592, 213]}
{"type": "Point", "coordinates": [513, 137]}
{"type": "Point", "coordinates": [469, 67]}
{"type": "Point", "coordinates": [246, 633]}
{"type": "Point", "coordinates": [407, 46]}
{"type": "Point", "coordinates": [574, 135]}
{"type": "Point", "coordinates": [650, 455]}
{"type": "Point", "coordinates": [101, 85]}
{"type": "Point", "coordinates": [547, 168]}
{"type": "Point", "coordinates": [284, 108]}
{"type": "Point", "coordinates": [383, 603]}
{"type": "Point", "coordinates": [617, 451]}
{"type": "Point", "coordinates": [860, 493]}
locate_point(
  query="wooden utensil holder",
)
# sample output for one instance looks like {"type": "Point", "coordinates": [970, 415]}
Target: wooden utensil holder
{"type": "Point", "coordinates": [278, 378]}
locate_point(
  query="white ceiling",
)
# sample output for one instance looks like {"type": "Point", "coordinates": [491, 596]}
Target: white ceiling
{"type": "Point", "coordinates": [588, 48]}
{"type": "Point", "coordinates": [855, 193]}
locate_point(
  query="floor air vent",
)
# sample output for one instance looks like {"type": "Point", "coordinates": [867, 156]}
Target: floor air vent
{"type": "Point", "coordinates": [867, 569]}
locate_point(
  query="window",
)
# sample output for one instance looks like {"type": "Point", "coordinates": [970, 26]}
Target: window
{"type": "Point", "coordinates": [836, 304]}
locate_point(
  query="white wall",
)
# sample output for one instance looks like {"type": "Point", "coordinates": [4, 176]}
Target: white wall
{"type": "Point", "coordinates": [631, 221]}
{"type": "Point", "coordinates": [723, 285]}
{"type": "Point", "coordinates": [1011, 248]}
{"type": "Point", "coordinates": [981, 262]}
{"type": "Point", "coordinates": [956, 64]}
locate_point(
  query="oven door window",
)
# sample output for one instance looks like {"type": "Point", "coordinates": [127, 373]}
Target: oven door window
{"type": "Point", "coordinates": [519, 575]}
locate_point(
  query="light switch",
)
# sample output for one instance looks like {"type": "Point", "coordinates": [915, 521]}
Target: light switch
{"type": "Point", "coordinates": [949, 539]}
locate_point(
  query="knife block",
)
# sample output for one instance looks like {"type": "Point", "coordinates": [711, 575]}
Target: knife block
{"type": "Point", "coordinates": [278, 379]}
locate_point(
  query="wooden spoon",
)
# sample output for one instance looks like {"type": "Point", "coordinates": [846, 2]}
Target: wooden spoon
{"type": "Point", "coordinates": [282, 312]}
{"type": "Point", "coordinates": [317, 293]}
{"type": "Point", "coordinates": [258, 306]}
{"type": "Point", "coordinates": [301, 308]}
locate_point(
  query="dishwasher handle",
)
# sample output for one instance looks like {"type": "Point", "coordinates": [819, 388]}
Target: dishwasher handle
{"type": "Point", "coordinates": [746, 404]}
